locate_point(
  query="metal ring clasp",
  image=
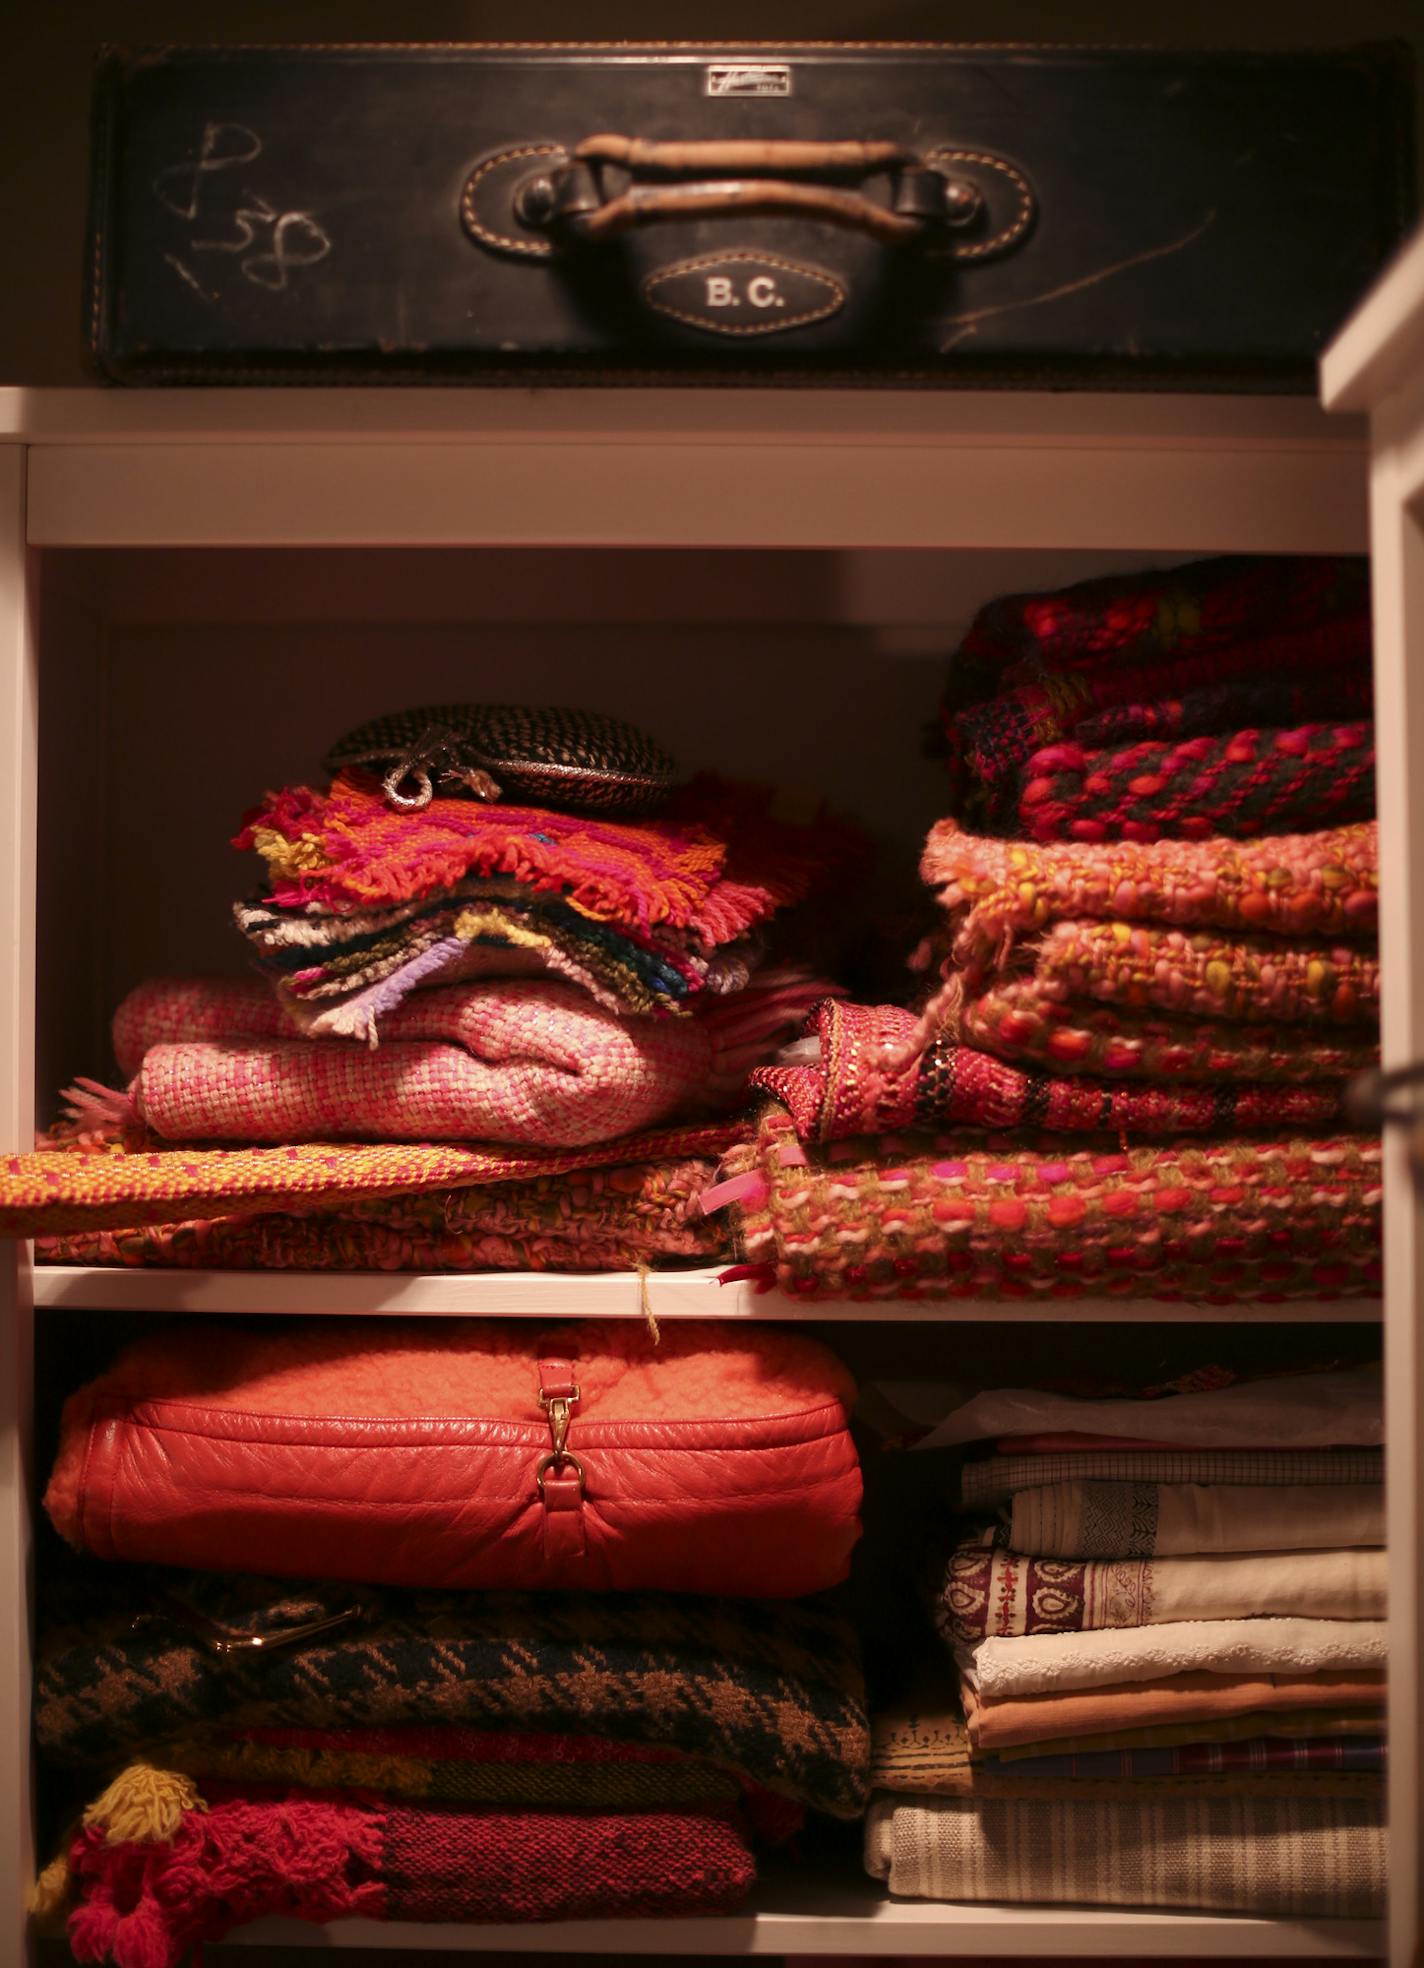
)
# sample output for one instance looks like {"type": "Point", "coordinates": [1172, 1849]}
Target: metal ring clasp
{"type": "Point", "coordinates": [550, 1461]}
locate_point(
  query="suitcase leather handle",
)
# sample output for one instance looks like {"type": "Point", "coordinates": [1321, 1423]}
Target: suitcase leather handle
{"type": "Point", "coordinates": [742, 177]}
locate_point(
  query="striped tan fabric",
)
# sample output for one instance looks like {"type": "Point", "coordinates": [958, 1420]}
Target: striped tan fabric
{"type": "Point", "coordinates": [1277, 1855]}
{"type": "Point", "coordinates": [1165, 1520]}
{"type": "Point", "coordinates": [998, 1476]}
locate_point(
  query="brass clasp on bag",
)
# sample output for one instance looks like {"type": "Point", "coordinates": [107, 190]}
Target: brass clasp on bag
{"type": "Point", "coordinates": [559, 1408]}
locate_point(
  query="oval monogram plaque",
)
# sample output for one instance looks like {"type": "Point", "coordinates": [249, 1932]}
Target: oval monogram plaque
{"type": "Point", "coordinates": [736, 293]}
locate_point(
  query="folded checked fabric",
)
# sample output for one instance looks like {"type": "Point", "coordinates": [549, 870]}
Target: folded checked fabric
{"type": "Point", "coordinates": [1333, 1408]}
{"type": "Point", "coordinates": [96, 1183]}
{"type": "Point", "coordinates": [925, 1749]}
{"type": "Point", "coordinates": [959, 1218]}
{"type": "Point", "coordinates": [1103, 1715]}
{"type": "Point", "coordinates": [338, 974]}
{"type": "Point", "coordinates": [867, 1079]}
{"type": "Point", "coordinates": [987, 1592]}
{"type": "Point", "coordinates": [772, 1690]}
{"type": "Point", "coordinates": [1263, 781]}
{"type": "Point", "coordinates": [1015, 1019]}
{"type": "Point", "coordinates": [1057, 1661]}
{"type": "Point", "coordinates": [162, 1866]}
{"type": "Point", "coordinates": [1145, 1520]}
{"type": "Point", "coordinates": [1035, 667]}
{"type": "Point", "coordinates": [528, 1062]}
{"type": "Point", "coordinates": [994, 1478]}
{"type": "Point", "coordinates": [1302, 1855]}
{"type": "Point", "coordinates": [587, 1220]}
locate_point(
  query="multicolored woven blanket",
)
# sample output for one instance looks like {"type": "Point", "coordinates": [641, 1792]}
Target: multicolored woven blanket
{"type": "Point", "coordinates": [770, 1690]}
{"type": "Point", "coordinates": [867, 1079]}
{"type": "Point", "coordinates": [610, 1219]}
{"type": "Point", "coordinates": [959, 1218]}
{"type": "Point", "coordinates": [1252, 782]}
{"type": "Point", "coordinates": [529, 1062]}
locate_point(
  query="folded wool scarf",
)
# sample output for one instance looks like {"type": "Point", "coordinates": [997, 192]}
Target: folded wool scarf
{"type": "Point", "coordinates": [337, 975]}
{"type": "Point", "coordinates": [924, 1748]}
{"type": "Point", "coordinates": [1057, 1661]}
{"type": "Point", "coordinates": [208, 1861]}
{"type": "Point", "coordinates": [1163, 1520]}
{"type": "Point", "coordinates": [866, 1078]}
{"type": "Point", "coordinates": [958, 1218]}
{"type": "Point", "coordinates": [1014, 1018]}
{"type": "Point", "coordinates": [994, 1478]}
{"type": "Point", "coordinates": [716, 861]}
{"type": "Point", "coordinates": [588, 1220]}
{"type": "Point", "coordinates": [530, 1063]}
{"type": "Point", "coordinates": [1302, 1856]}
{"type": "Point", "coordinates": [1340, 1407]}
{"type": "Point", "coordinates": [1251, 782]}
{"type": "Point", "coordinates": [1305, 885]}
{"type": "Point", "coordinates": [94, 1183]}
{"type": "Point", "coordinates": [771, 1690]}
{"type": "Point", "coordinates": [988, 1592]}
{"type": "Point", "coordinates": [1107, 1714]}
{"type": "Point", "coordinates": [1235, 704]}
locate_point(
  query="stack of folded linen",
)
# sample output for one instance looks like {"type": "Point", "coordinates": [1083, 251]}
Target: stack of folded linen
{"type": "Point", "coordinates": [1152, 1008]}
{"type": "Point", "coordinates": [399, 1728]}
{"type": "Point", "coordinates": [1170, 1646]}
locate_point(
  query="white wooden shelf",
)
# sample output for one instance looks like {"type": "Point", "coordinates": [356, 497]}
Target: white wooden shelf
{"type": "Point", "coordinates": [613, 1295]}
{"type": "Point", "coordinates": [809, 1915]}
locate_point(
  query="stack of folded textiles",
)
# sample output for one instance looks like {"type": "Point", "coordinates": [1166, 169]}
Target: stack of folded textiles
{"type": "Point", "coordinates": [467, 1698]}
{"type": "Point", "coordinates": [1155, 982]}
{"type": "Point", "coordinates": [582, 993]}
{"type": "Point", "coordinates": [1167, 1620]}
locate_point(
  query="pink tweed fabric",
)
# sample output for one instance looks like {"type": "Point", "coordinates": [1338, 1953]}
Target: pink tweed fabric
{"type": "Point", "coordinates": [532, 1062]}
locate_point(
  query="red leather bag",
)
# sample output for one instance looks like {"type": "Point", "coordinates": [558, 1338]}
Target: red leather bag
{"type": "Point", "coordinates": [465, 1453]}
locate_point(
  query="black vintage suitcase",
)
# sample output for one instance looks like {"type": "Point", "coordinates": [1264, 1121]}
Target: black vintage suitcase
{"type": "Point", "coordinates": [853, 213]}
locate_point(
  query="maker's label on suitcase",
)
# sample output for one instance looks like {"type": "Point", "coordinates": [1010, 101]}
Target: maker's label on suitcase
{"type": "Point", "coordinates": [743, 293]}
{"type": "Point", "coordinates": [747, 79]}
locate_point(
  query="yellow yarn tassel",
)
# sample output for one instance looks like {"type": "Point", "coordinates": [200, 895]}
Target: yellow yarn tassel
{"type": "Point", "coordinates": [645, 1300]}
{"type": "Point", "coordinates": [143, 1806]}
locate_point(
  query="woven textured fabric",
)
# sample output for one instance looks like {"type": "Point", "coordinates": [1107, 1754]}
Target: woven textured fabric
{"type": "Point", "coordinates": [1304, 1856]}
{"type": "Point", "coordinates": [716, 865]}
{"type": "Point", "coordinates": [1015, 1019]}
{"type": "Point", "coordinates": [581, 760]}
{"type": "Point", "coordinates": [1290, 885]}
{"type": "Point", "coordinates": [1363, 1724]}
{"type": "Point", "coordinates": [772, 1690]}
{"type": "Point", "coordinates": [1271, 1219]}
{"type": "Point", "coordinates": [120, 1185]}
{"type": "Point", "coordinates": [589, 1220]}
{"type": "Point", "coordinates": [1201, 973]}
{"type": "Point", "coordinates": [867, 1080]}
{"type": "Point", "coordinates": [1276, 701]}
{"type": "Point", "coordinates": [987, 1592]}
{"type": "Point", "coordinates": [337, 975]}
{"type": "Point", "coordinates": [1034, 669]}
{"type": "Point", "coordinates": [1253, 782]}
{"type": "Point", "coordinates": [994, 1478]}
{"type": "Point", "coordinates": [234, 1858]}
{"type": "Point", "coordinates": [531, 1063]}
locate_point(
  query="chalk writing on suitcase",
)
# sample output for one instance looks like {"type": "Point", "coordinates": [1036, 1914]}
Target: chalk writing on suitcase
{"type": "Point", "coordinates": [268, 243]}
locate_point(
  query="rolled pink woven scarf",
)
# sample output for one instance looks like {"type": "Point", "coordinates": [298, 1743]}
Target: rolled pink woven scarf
{"type": "Point", "coordinates": [525, 1061]}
